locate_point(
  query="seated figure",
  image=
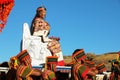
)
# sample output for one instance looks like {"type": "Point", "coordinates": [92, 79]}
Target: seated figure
{"type": "Point", "coordinates": [38, 44]}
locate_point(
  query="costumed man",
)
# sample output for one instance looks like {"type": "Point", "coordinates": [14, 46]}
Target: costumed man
{"type": "Point", "coordinates": [79, 70]}
{"type": "Point", "coordinates": [41, 29]}
{"type": "Point", "coordinates": [21, 63]}
{"type": "Point", "coordinates": [101, 69]}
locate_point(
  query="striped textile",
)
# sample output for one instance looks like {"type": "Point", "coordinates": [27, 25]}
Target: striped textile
{"type": "Point", "coordinates": [55, 48]}
{"type": "Point", "coordinates": [90, 64]}
{"type": "Point", "coordinates": [24, 58]}
{"type": "Point", "coordinates": [78, 55]}
{"type": "Point", "coordinates": [63, 69]}
{"type": "Point", "coordinates": [51, 62]}
{"type": "Point", "coordinates": [23, 73]}
{"type": "Point", "coordinates": [79, 72]}
{"type": "Point", "coordinates": [24, 69]}
{"type": "Point", "coordinates": [48, 75]}
{"type": "Point", "coordinates": [101, 67]}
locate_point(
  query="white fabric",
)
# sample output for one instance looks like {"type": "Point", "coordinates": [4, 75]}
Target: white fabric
{"type": "Point", "coordinates": [60, 56]}
{"type": "Point", "coordinates": [35, 47]}
{"type": "Point", "coordinates": [99, 76]}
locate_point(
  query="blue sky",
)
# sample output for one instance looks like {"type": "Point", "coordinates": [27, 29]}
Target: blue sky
{"type": "Point", "coordinates": [93, 25]}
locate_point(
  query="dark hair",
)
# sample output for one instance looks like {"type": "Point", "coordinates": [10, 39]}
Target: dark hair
{"type": "Point", "coordinates": [40, 7]}
{"type": "Point", "coordinates": [76, 50]}
{"type": "Point", "coordinates": [36, 15]}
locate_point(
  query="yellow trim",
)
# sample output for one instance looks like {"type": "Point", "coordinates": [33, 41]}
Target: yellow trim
{"type": "Point", "coordinates": [45, 68]}
{"type": "Point", "coordinates": [29, 74]}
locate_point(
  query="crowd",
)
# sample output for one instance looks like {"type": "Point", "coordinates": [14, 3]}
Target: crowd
{"type": "Point", "coordinates": [82, 68]}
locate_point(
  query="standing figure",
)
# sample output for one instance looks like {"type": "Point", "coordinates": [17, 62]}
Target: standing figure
{"type": "Point", "coordinates": [41, 28]}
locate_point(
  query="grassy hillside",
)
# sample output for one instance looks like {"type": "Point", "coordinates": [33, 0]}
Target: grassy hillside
{"type": "Point", "coordinates": [105, 58]}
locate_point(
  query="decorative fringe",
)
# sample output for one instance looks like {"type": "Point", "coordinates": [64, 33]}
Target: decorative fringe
{"type": "Point", "coordinates": [5, 9]}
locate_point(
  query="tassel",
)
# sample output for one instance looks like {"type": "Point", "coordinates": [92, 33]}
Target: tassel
{"type": "Point", "coordinates": [5, 9]}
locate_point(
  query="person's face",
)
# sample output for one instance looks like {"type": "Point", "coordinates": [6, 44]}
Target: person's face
{"type": "Point", "coordinates": [37, 22]}
{"type": "Point", "coordinates": [41, 12]}
{"type": "Point", "coordinates": [39, 28]}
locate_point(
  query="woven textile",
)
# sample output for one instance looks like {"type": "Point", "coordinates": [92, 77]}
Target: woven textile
{"type": "Point", "coordinates": [24, 69]}
{"type": "Point", "coordinates": [23, 73]}
{"type": "Point", "coordinates": [48, 75]}
{"type": "Point", "coordinates": [78, 55]}
{"type": "Point", "coordinates": [52, 62]}
{"type": "Point", "coordinates": [54, 47]}
{"type": "Point", "coordinates": [79, 72]}
{"type": "Point", "coordinates": [90, 64]}
{"type": "Point", "coordinates": [24, 58]}
{"type": "Point", "coordinates": [101, 67]}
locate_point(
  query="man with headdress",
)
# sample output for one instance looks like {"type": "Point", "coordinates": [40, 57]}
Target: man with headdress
{"type": "Point", "coordinates": [101, 69]}
{"type": "Point", "coordinates": [21, 63]}
{"type": "Point", "coordinates": [79, 70]}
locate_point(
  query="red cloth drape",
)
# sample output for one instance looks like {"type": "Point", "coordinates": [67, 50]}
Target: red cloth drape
{"type": "Point", "coordinates": [5, 9]}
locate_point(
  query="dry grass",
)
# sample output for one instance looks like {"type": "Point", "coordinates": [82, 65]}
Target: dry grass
{"type": "Point", "coordinates": [67, 59]}
{"type": "Point", "coordinates": [103, 58]}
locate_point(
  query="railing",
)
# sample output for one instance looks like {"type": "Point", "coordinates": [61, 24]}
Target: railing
{"type": "Point", "coordinates": [64, 69]}
{"type": "Point", "coordinates": [4, 69]}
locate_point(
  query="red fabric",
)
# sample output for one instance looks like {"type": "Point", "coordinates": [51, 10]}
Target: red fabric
{"type": "Point", "coordinates": [82, 58]}
{"type": "Point", "coordinates": [112, 76]}
{"type": "Point", "coordinates": [84, 74]}
{"type": "Point", "coordinates": [61, 63]}
{"type": "Point", "coordinates": [5, 1]}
